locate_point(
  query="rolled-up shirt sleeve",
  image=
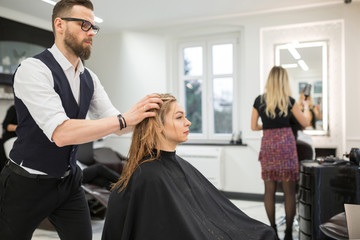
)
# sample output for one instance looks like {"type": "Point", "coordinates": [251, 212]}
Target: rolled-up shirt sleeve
{"type": "Point", "coordinates": [34, 86]}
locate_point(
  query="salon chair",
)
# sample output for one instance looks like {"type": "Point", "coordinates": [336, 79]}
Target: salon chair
{"type": "Point", "coordinates": [97, 196]}
{"type": "Point", "coordinates": [89, 155]}
{"type": "Point", "coordinates": [336, 227]}
{"type": "Point", "coordinates": [304, 151]}
{"type": "Point", "coordinates": [109, 158]}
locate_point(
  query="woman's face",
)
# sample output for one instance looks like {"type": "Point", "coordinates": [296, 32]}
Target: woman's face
{"type": "Point", "coordinates": [176, 126]}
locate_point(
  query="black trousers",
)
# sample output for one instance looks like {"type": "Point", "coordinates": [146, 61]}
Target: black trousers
{"type": "Point", "coordinates": [25, 202]}
{"type": "Point", "coordinates": [3, 158]}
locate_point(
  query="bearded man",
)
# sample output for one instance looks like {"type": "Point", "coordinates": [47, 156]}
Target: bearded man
{"type": "Point", "coordinates": [53, 93]}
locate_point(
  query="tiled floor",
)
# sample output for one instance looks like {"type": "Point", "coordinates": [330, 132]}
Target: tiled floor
{"type": "Point", "coordinates": [255, 210]}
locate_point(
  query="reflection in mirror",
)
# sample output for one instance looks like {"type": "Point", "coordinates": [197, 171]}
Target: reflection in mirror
{"type": "Point", "coordinates": [306, 63]}
{"type": "Point", "coordinates": [12, 53]}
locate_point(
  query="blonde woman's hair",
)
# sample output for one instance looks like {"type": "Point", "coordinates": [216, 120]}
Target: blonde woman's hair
{"type": "Point", "coordinates": [146, 139]}
{"type": "Point", "coordinates": [277, 92]}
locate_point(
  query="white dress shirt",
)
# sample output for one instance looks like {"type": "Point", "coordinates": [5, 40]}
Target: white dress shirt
{"type": "Point", "coordinates": [34, 85]}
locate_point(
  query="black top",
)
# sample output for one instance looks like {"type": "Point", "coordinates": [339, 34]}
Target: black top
{"type": "Point", "coordinates": [278, 121]}
{"type": "Point", "coordinates": [10, 118]}
{"type": "Point", "coordinates": [169, 199]}
{"type": "Point", "coordinates": [295, 125]}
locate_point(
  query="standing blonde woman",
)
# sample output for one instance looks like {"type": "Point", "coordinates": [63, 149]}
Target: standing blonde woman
{"type": "Point", "coordinates": [160, 196]}
{"type": "Point", "coordinates": [278, 156]}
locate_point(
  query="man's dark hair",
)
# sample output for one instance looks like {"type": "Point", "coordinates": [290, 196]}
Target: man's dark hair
{"type": "Point", "coordinates": [65, 6]}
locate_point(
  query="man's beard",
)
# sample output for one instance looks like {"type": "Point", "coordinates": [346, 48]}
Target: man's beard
{"type": "Point", "coordinates": [80, 51]}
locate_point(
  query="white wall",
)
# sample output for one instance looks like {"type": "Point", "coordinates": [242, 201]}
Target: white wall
{"type": "Point", "coordinates": [129, 65]}
{"type": "Point", "coordinates": [352, 76]}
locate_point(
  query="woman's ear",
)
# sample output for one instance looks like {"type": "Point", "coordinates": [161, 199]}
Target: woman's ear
{"type": "Point", "coordinates": [159, 126]}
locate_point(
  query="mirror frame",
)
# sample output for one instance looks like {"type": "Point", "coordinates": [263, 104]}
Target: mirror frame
{"type": "Point", "coordinates": [331, 31]}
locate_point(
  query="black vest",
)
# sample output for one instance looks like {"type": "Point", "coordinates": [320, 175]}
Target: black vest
{"type": "Point", "coordinates": [32, 148]}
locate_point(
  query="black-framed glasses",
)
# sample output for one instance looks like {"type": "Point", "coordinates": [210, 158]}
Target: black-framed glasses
{"type": "Point", "coordinates": [85, 25]}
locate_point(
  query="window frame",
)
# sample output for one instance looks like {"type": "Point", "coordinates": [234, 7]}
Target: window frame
{"type": "Point", "coordinates": [207, 77]}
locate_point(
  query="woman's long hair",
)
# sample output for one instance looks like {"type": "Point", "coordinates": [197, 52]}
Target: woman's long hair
{"type": "Point", "coordinates": [277, 92]}
{"type": "Point", "coordinates": [145, 139]}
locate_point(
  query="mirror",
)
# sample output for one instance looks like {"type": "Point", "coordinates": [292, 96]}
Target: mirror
{"type": "Point", "coordinates": [306, 63]}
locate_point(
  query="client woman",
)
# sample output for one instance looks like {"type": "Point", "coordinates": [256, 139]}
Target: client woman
{"type": "Point", "coordinates": [161, 196]}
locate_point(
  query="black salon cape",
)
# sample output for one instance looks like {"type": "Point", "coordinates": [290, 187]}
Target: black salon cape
{"type": "Point", "coordinates": [168, 199]}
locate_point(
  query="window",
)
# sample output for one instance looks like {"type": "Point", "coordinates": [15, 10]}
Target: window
{"type": "Point", "coordinates": [207, 82]}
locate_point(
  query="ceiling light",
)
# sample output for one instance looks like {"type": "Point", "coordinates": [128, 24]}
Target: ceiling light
{"type": "Point", "coordinates": [96, 19]}
{"type": "Point", "coordinates": [290, 65]}
{"type": "Point", "coordinates": [49, 2]}
{"type": "Point", "coordinates": [293, 51]}
{"type": "Point", "coordinates": [303, 65]}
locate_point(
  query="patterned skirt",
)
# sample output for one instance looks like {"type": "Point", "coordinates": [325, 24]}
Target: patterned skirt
{"type": "Point", "coordinates": [278, 155]}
